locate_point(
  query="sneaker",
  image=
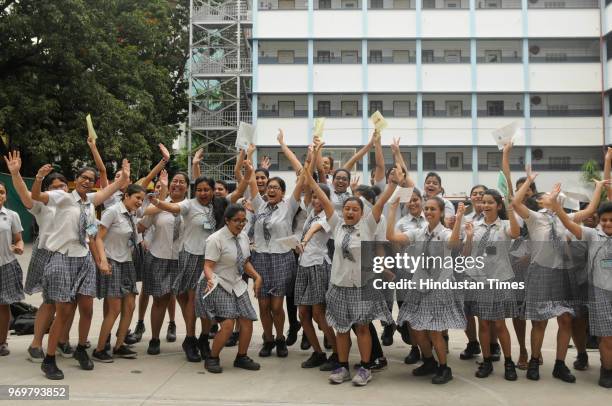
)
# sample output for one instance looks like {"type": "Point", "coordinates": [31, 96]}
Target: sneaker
{"type": "Point", "coordinates": [510, 371]}
{"type": "Point", "coordinates": [305, 344]}
{"type": "Point", "coordinates": [582, 362]}
{"type": "Point", "coordinates": [387, 335]}
{"type": "Point", "coordinates": [233, 340]}
{"type": "Point", "coordinates": [330, 364]}
{"type": "Point", "coordinates": [605, 378]}
{"type": "Point", "coordinates": [266, 350]}
{"type": "Point", "coordinates": [4, 350]}
{"type": "Point", "coordinates": [315, 360]}
{"type": "Point", "coordinates": [339, 375]}
{"type": "Point", "coordinates": [429, 366]}
{"type": "Point", "coordinates": [204, 346]}
{"type": "Point", "coordinates": [533, 370]}
{"type": "Point", "coordinates": [107, 345]}
{"type": "Point", "coordinates": [154, 346]}
{"type": "Point", "coordinates": [171, 332]}
{"type": "Point", "coordinates": [124, 352]}
{"type": "Point", "coordinates": [213, 331]}
{"type": "Point", "coordinates": [326, 343]}
{"type": "Point", "coordinates": [281, 347]}
{"type": "Point", "coordinates": [443, 375]}
{"type": "Point", "coordinates": [592, 343]}
{"type": "Point", "coordinates": [136, 336]}
{"type": "Point", "coordinates": [362, 377]}
{"type": "Point", "coordinates": [379, 364]}
{"type": "Point", "coordinates": [101, 356]}
{"type": "Point", "coordinates": [495, 352]}
{"type": "Point", "coordinates": [247, 363]}
{"type": "Point", "coordinates": [292, 333]}
{"type": "Point", "coordinates": [130, 339]}
{"type": "Point", "coordinates": [561, 371]}
{"type": "Point", "coordinates": [190, 347]}
{"type": "Point", "coordinates": [485, 369]}
{"type": "Point", "coordinates": [36, 354]}
{"type": "Point", "coordinates": [213, 365]}
{"type": "Point", "coordinates": [65, 350]}
{"type": "Point", "coordinates": [52, 371]}
{"type": "Point", "coordinates": [405, 333]}
{"type": "Point", "coordinates": [471, 350]}
{"type": "Point", "coordinates": [84, 361]}
{"type": "Point", "coordinates": [413, 356]}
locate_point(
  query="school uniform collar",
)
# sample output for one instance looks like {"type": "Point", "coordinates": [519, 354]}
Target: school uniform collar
{"type": "Point", "coordinates": [4, 210]}
{"type": "Point", "coordinates": [436, 231]}
{"type": "Point", "coordinates": [497, 223]}
{"type": "Point", "coordinates": [602, 234]}
{"type": "Point", "coordinates": [226, 232]}
{"type": "Point", "coordinates": [77, 197]}
{"type": "Point", "coordinates": [415, 219]}
{"type": "Point", "coordinates": [122, 208]}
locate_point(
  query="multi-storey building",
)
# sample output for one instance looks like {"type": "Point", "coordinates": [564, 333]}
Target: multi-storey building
{"type": "Point", "coordinates": [445, 74]}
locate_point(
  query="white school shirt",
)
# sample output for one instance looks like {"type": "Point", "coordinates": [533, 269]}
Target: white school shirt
{"type": "Point", "coordinates": [198, 225]}
{"type": "Point", "coordinates": [496, 266]}
{"type": "Point", "coordinates": [10, 224]}
{"type": "Point", "coordinates": [344, 272]}
{"type": "Point", "coordinates": [114, 199]}
{"type": "Point", "coordinates": [44, 218]}
{"type": "Point", "coordinates": [410, 222]}
{"type": "Point", "coordinates": [117, 245]}
{"type": "Point", "coordinates": [221, 249]}
{"type": "Point", "coordinates": [279, 224]}
{"type": "Point", "coordinates": [449, 208]}
{"type": "Point", "coordinates": [162, 245]}
{"type": "Point", "coordinates": [64, 231]}
{"type": "Point", "coordinates": [335, 199]}
{"type": "Point", "coordinates": [315, 252]}
{"type": "Point", "coordinates": [600, 257]}
{"type": "Point", "coordinates": [542, 251]}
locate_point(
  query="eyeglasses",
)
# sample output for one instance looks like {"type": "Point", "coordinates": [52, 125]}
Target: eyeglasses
{"type": "Point", "coordinates": [239, 221]}
{"type": "Point", "coordinates": [342, 178]}
{"type": "Point", "coordinates": [273, 187]}
{"type": "Point", "coordinates": [87, 178]}
{"type": "Point", "coordinates": [178, 182]}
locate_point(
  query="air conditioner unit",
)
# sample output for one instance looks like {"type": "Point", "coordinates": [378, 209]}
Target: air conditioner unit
{"type": "Point", "coordinates": [535, 100]}
{"type": "Point", "coordinates": [537, 154]}
{"type": "Point", "coordinates": [534, 49]}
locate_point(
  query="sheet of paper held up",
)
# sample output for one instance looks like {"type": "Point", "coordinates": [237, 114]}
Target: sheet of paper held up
{"type": "Point", "coordinates": [504, 135]}
{"type": "Point", "coordinates": [90, 128]}
{"type": "Point", "coordinates": [289, 242]}
{"type": "Point", "coordinates": [379, 121]}
{"type": "Point", "coordinates": [246, 135]}
{"type": "Point", "coordinates": [404, 194]}
{"type": "Point", "coordinates": [319, 124]}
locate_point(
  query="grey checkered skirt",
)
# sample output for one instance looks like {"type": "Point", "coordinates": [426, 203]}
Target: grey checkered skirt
{"type": "Point", "coordinates": [492, 304]}
{"type": "Point", "coordinates": [436, 310]}
{"type": "Point", "coordinates": [138, 259]}
{"type": "Point", "coordinates": [11, 283]}
{"type": "Point", "coordinates": [36, 268]}
{"type": "Point", "coordinates": [190, 268]}
{"type": "Point", "coordinates": [549, 293]}
{"type": "Point", "coordinates": [66, 277]}
{"type": "Point", "coordinates": [221, 304]}
{"type": "Point", "coordinates": [277, 272]}
{"type": "Point", "coordinates": [349, 306]}
{"type": "Point", "coordinates": [121, 282]}
{"type": "Point", "coordinates": [311, 284]}
{"type": "Point", "coordinates": [158, 276]}
{"type": "Point", "coordinates": [600, 312]}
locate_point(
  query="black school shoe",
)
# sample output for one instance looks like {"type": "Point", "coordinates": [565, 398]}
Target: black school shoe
{"type": "Point", "coordinates": [124, 352]}
{"type": "Point", "coordinates": [292, 333]}
{"type": "Point", "coordinates": [101, 356]}
{"type": "Point", "coordinates": [233, 340]}
{"type": "Point", "coordinates": [136, 336]}
{"type": "Point", "coordinates": [471, 350]}
{"type": "Point", "coordinates": [582, 362]}
{"type": "Point", "coordinates": [429, 366]}
{"type": "Point", "coordinates": [485, 368]}
{"type": "Point", "coordinates": [561, 371]}
{"type": "Point", "coordinates": [281, 347]}
{"type": "Point", "coordinates": [533, 369]}
{"type": "Point", "coordinates": [405, 333]}
{"type": "Point", "coordinates": [305, 344]}
{"type": "Point", "coordinates": [605, 378]}
{"type": "Point", "coordinates": [510, 371]}
{"type": "Point", "coordinates": [154, 347]}
{"type": "Point", "coordinates": [316, 359]}
{"type": "Point", "coordinates": [266, 349]}
{"type": "Point", "coordinates": [387, 336]}
{"type": "Point", "coordinates": [203, 346]}
{"type": "Point", "coordinates": [49, 367]}
{"type": "Point", "coordinates": [495, 352]}
{"type": "Point", "coordinates": [213, 365]}
{"type": "Point", "coordinates": [413, 356]}
{"type": "Point", "coordinates": [443, 375]}
{"type": "Point", "coordinates": [330, 364]}
{"type": "Point", "coordinates": [190, 347]}
{"type": "Point", "coordinates": [244, 362]}
{"type": "Point", "coordinates": [171, 332]}
{"type": "Point", "coordinates": [80, 354]}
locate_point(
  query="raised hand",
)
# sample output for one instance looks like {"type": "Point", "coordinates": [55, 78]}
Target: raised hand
{"type": "Point", "coordinates": [163, 178]}
{"type": "Point", "coordinates": [248, 168]}
{"type": "Point", "coordinates": [265, 162]}
{"type": "Point", "coordinates": [281, 137]}
{"type": "Point", "coordinates": [250, 149]}
{"type": "Point", "coordinates": [198, 156]}
{"type": "Point", "coordinates": [164, 152]}
{"type": "Point", "coordinates": [44, 171]}
{"type": "Point", "coordinates": [395, 145]}
{"type": "Point", "coordinates": [530, 174]}
{"type": "Point", "coordinates": [354, 183]}
{"type": "Point", "coordinates": [609, 154]}
{"type": "Point", "coordinates": [125, 172]}
{"type": "Point", "coordinates": [460, 209]}
{"type": "Point", "coordinates": [13, 162]}
{"type": "Point", "coordinates": [469, 229]}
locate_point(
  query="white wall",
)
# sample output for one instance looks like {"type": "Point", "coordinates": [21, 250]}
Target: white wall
{"type": "Point", "coordinates": [609, 75]}
{"type": "Point", "coordinates": [499, 77]}
{"type": "Point", "coordinates": [565, 77]}
{"type": "Point", "coordinates": [486, 125]}
{"type": "Point", "coordinates": [282, 24]}
{"type": "Point", "coordinates": [499, 23]}
{"type": "Point", "coordinates": [337, 78]}
{"type": "Point", "coordinates": [337, 24]}
{"type": "Point", "coordinates": [562, 131]}
{"type": "Point", "coordinates": [568, 23]}
{"type": "Point", "coordinates": [282, 79]}
{"type": "Point", "coordinates": [447, 131]}
{"type": "Point", "coordinates": [391, 24]}
{"type": "Point", "coordinates": [447, 78]}
{"type": "Point", "coordinates": [445, 23]}
{"type": "Point", "coordinates": [295, 129]}
{"type": "Point", "coordinates": [392, 78]}
{"type": "Point", "coordinates": [608, 27]}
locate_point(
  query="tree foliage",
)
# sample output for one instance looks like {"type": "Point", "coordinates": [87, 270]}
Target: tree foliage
{"type": "Point", "coordinates": [122, 61]}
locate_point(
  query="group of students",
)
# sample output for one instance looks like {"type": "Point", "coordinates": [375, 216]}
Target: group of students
{"type": "Point", "coordinates": [202, 252]}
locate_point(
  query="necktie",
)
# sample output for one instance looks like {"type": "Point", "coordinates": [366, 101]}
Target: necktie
{"type": "Point", "coordinates": [553, 235]}
{"type": "Point", "coordinates": [176, 229]}
{"type": "Point", "coordinates": [342, 197]}
{"type": "Point", "coordinates": [240, 260]}
{"type": "Point", "coordinates": [346, 241]}
{"type": "Point", "coordinates": [308, 225]}
{"type": "Point", "coordinates": [266, 219]}
{"type": "Point", "coordinates": [482, 244]}
{"type": "Point", "coordinates": [132, 239]}
{"type": "Point", "coordinates": [209, 222]}
{"type": "Point", "coordinates": [83, 215]}
{"type": "Point", "coordinates": [430, 237]}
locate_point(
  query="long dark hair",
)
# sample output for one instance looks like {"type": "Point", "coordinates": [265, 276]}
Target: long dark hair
{"type": "Point", "coordinates": [501, 212]}
{"type": "Point", "coordinates": [441, 206]}
{"type": "Point", "coordinates": [219, 204]}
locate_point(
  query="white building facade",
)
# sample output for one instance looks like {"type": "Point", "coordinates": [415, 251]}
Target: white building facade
{"type": "Point", "coordinates": [445, 74]}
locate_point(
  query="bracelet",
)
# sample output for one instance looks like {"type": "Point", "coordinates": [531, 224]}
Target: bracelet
{"type": "Point", "coordinates": [40, 177]}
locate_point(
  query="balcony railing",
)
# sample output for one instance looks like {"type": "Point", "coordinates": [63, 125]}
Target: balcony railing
{"type": "Point", "coordinates": [283, 5]}
{"type": "Point", "coordinates": [338, 114]}
{"type": "Point", "coordinates": [390, 60]}
{"type": "Point", "coordinates": [221, 119]}
{"type": "Point", "coordinates": [564, 59]}
{"type": "Point", "coordinates": [586, 111]}
{"type": "Point", "coordinates": [504, 59]}
{"type": "Point", "coordinates": [227, 65]}
{"type": "Point", "coordinates": [278, 114]}
{"type": "Point", "coordinates": [446, 114]}
{"type": "Point", "coordinates": [222, 13]}
{"type": "Point", "coordinates": [564, 4]}
{"type": "Point", "coordinates": [337, 60]}
{"type": "Point", "coordinates": [443, 60]}
{"type": "Point", "coordinates": [504, 113]}
{"type": "Point", "coordinates": [497, 4]}
{"type": "Point", "coordinates": [298, 60]}
{"type": "Point", "coordinates": [393, 5]}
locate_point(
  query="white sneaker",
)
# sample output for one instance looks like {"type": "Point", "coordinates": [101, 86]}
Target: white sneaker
{"type": "Point", "coordinates": [362, 377]}
{"type": "Point", "coordinates": [339, 375]}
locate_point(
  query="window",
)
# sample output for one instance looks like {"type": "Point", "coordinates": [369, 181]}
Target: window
{"type": "Point", "coordinates": [286, 4]}
{"type": "Point", "coordinates": [559, 162]}
{"type": "Point", "coordinates": [429, 108]}
{"type": "Point", "coordinates": [376, 4]}
{"type": "Point", "coordinates": [556, 57]}
{"type": "Point", "coordinates": [323, 57]}
{"type": "Point", "coordinates": [349, 3]}
{"type": "Point", "coordinates": [401, 4]}
{"type": "Point", "coordinates": [350, 56]}
{"type": "Point", "coordinates": [323, 109]}
{"type": "Point", "coordinates": [375, 105]}
{"type": "Point", "coordinates": [286, 56]}
{"type": "Point", "coordinates": [558, 110]}
{"type": "Point", "coordinates": [429, 4]}
{"type": "Point", "coordinates": [401, 108]}
{"type": "Point", "coordinates": [493, 56]}
{"type": "Point", "coordinates": [324, 4]}
{"type": "Point", "coordinates": [492, 4]}
{"type": "Point", "coordinates": [286, 108]}
{"type": "Point", "coordinates": [454, 108]}
{"type": "Point", "coordinates": [452, 3]}
{"type": "Point", "coordinates": [349, 109]}
{"type": "Point", "coordinates": [495, 108]}
{"type": "Point", "coordinates": [427, 55]}
{"type": "Point", "coordinates": [452, 56]}
{"type": "Point", "coordinates": [376, 56]}
{"type": "Point", "coordinates": [429, 160]}
{"type": "Point", "coordinates": [401, 56]}
{"type": "Point", "coordinates": [494, 161]}
{"type": "Point", "coordinates": [454, 161]}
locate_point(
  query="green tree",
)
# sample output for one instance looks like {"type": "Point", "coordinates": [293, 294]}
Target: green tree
{"type": "Point", "coordinates": [123, 61]}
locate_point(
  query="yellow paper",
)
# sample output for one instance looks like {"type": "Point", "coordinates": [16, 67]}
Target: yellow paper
{"type": "Point", "coordinates": [319, 123]}
{"type": "Point", "coordinates": [90, 128]}
{"type": "Point", "coordinates": [379, 121]}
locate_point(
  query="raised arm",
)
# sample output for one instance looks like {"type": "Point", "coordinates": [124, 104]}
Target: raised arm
{"type": "Point", "coordinates": [607, 165]}
{"type": "Point", "coordinates": [379, 171]}
{"type": "Point", "coordinates": [519, 206]}
{"type": "Point", "coordinates": [387, 193]}
{"type": "Point", "coordinates": [244, 182]}
{"type": "Point", "coordinates": [104, 194]}
{"type": "Point", "coordinates": [196, 171]}
{"type": "Point", "coordinates": [165, 206]}
{"type": "Point", "coordinates": [553, 203]}
{"type": "Point", "coordinates": [239, 160]}
{"type": "Point", "coordinates": [515, 228]}
{"type": "Point", "coordinates": [37, 193]}
{"type": "Point", "coordinates": [594, 203]}
{"type": "Point", "coordinates": [506, 167]}
{"type": "Point", "coordinates": [91, 141]}
{"type": "Point", "coordinates": [392, 234]}
{"type": "Point", "coordinates": [364, 150]}
{"type": "Point", "coordinates": [456, 234]}
{"type": "Point", "coordinates": [157, 168]}
{"type": "Point", "coordinates": [295, 163]}
{"type": "Point", "coordinates": [328, 207]}
{"type": "Point", "coordinates": [13, 162]}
